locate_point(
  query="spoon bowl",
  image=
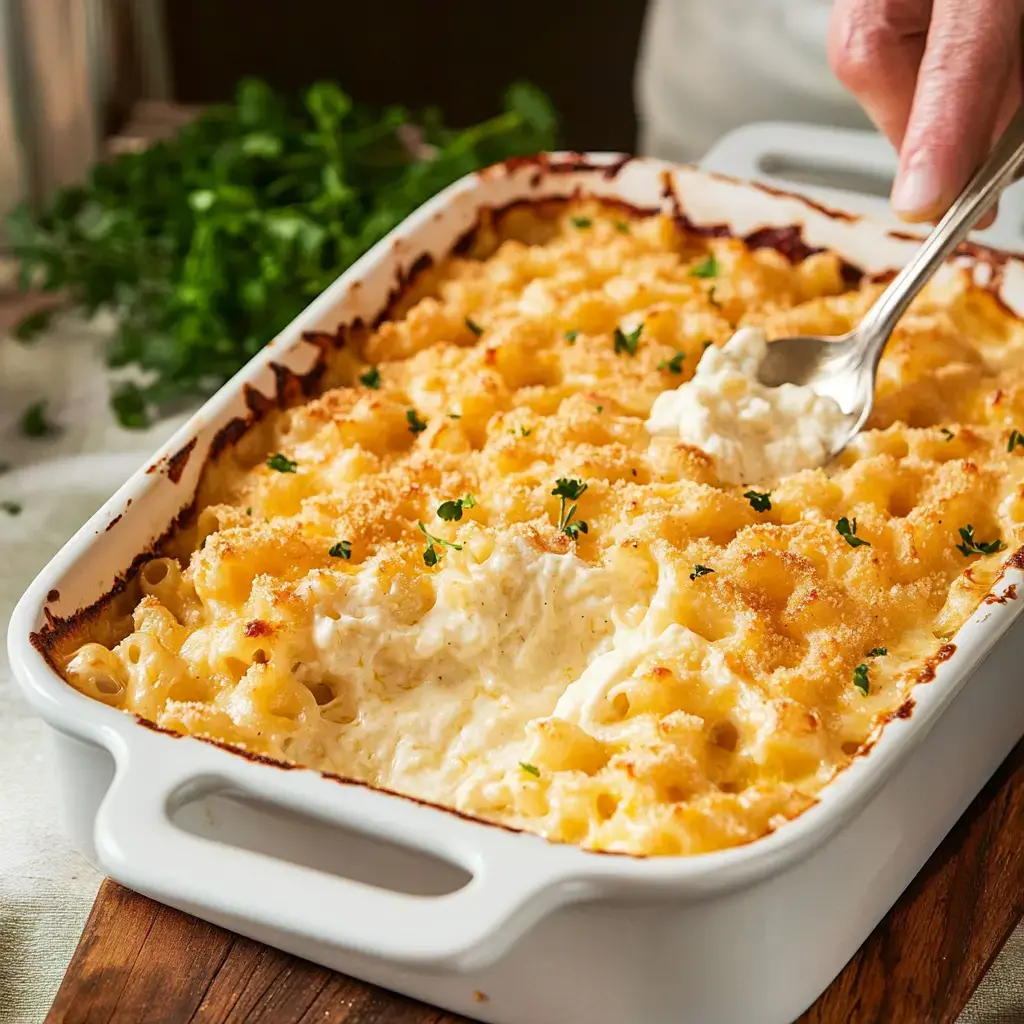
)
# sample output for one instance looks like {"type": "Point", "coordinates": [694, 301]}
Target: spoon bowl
{"type": "Point", "coordinates": [843, 368]}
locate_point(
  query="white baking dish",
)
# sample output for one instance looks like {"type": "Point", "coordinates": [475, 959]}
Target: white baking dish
{"type": "Point", "coordinates": [541, 934]}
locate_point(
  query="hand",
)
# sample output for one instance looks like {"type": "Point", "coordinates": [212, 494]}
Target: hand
{"type": "Point", "coordinates": [940, 77]}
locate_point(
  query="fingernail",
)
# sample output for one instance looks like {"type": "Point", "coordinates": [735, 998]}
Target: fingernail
{"type": "Point", "coordinates": [918, 190]}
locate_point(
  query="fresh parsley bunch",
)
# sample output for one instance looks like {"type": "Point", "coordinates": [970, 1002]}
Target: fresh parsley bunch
{"type": "Point", "coordinates": [207, 245]}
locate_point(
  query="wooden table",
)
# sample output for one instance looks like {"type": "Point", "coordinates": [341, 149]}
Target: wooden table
{"type": "Point", "coordinates": [141, 963]}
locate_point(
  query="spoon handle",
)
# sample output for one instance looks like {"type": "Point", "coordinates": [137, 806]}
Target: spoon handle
{"type": "Point", "coordinates": [978, 196]}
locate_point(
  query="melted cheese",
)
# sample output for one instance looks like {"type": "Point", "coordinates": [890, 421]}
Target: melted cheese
{"type": "Point", "coordinates": [677, 677]}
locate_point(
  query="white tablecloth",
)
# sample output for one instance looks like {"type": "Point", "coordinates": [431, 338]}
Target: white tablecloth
{"type": "Point", "coordinates": [46, 889]}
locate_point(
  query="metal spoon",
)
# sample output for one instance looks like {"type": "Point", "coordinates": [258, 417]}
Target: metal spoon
{"type": "Point", "coordinates": [843, 368]}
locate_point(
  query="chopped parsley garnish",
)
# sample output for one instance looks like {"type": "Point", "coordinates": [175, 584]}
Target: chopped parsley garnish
{"type": "Point", "coordinates": [860, 679]}
{"type": "Point", "coordinates": [371, 378]}
{"type": "Point", "coordinates": [760, 501]}
{"type": "Point", "coordinates": [622, 226]}
{"type": "Point", "coordinates": [673, 365]}
{"type": "Point", "coordinates": [700, 570]}
{"type": "Point", "coordinates": [581, 222]}
{"type": "Point", "coordinates": [708, 267]}
{"type": "Point", "coordinates": [525, 431]}
{"type": "Point", "coordinates": [474, 327]}
{"type": "Point", "coordinates": [34, 422]}
{"type": "Point", "coordinates": [416, 425]}
{"type": "Point", "coordinates": [430, 552]}
{"type": "Point", "coordinates": [878, 652]}
{"type": "Point", "coordinates": [455, 415]}
{"type": "Point", "coordinates": [627, 342]}
{"type": "Point", "coordinates": [570, 490]}
{"type": "Point", "coordinates": [571, 336]}
{"type": "Point", "coordinates": [451, 511]}
{"type": "Point", "coordinates": [530, 769]}
{"type": "Point", "coordinates": [848, 531]}
{"type": "Point", "coordinates": [343, 549]}
{"type": "Point", "coordinates": [711, 298]}
{"type": "Point", "coordinates": [948, 434]}
{"type": "Point", "coordinates": [599, 408]}
{"type": "Point", "coordinates": [12, 508]}
{"type": "Point", "coordinates": [282, 464]}
{"type": "Point", "coordinates": [1016, 440]}
{"type": "Point", "coordinates": [971, 546]}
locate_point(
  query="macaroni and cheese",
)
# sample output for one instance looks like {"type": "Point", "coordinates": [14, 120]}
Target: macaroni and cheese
{"type": "Point", "coordinates": [471, 574]}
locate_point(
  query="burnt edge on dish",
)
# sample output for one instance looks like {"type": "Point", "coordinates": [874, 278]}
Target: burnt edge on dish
{"type": "Point", "coordinates": [291, 387]}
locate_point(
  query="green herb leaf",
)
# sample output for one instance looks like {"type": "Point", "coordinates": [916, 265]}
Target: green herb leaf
{"type": "Point", "coordinates": [571, 336]}
{"type": "Point", "coordinates": [430, 553]}
{"type": "Point", "coordinates": [1016, 439]}
{"type": "Point", "coordinates": [474, 327]}
{"type": "Point", "coordinates": [627, 342]}
{"type": "Point", "coordinates": [208, 244]}
{"type": "Point", "coordinates": [700, 570]}
{"type": "Point", "coordinates": [530, 769]}
{"type": "Point", "coordinates": [972, 547]}
{"type": "Point", "coordinates": [708, 267]}
{"type": "Point", "coordinates": [760, 501]}
{"type": "Point", "coordinates": [878, 652]}
{"type": "Point", "coordinates": [860, 679]}
{"type": "Point", "coordinates": [673, 365]}
{"type": "Point", "coordinates": [34, 422]}
{"type": "Point", "coordinates": [451, 511]}
{"type": "Point", "coordinates": [622, 227]}
{"type": "Point", "coordinates": [581, 222]}
{"type": "Point", "coordinates": [370, 379]}
{"type": "Point", "coordinates": [343, 549]}
{"type": "Point", "coordinates": [30, 327]}
{"type": "Point", "coordinates": [848, 531]}
{"type": "Point", "coordinates": [416, 425]}
{"type": "Point", "coordinates": [570, 490]}
{"type": "Point", "coordinates": [282, 464]}
{"type": "Point", "coordinates": [567, 488]}
{"type": "Point", "coordinates": [12, 508]}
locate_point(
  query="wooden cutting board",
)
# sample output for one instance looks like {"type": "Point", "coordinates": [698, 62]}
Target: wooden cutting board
{"type": "Point", "coordinates": [141, 963]}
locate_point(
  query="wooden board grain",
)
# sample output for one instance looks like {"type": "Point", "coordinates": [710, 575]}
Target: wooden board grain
{"type": "Point", "coordinates": [141, 963]}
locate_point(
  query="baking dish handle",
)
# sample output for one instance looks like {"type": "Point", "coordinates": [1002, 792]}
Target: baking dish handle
{"type": "Point", "coordinates": [516, 879]}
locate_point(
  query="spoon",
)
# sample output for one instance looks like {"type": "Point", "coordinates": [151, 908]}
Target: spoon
{"type": "Point", "coordinates": [843, 368]}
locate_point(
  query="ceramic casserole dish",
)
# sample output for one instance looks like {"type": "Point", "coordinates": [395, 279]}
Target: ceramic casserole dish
{"type": "Point", "coordinates": [501, 926]}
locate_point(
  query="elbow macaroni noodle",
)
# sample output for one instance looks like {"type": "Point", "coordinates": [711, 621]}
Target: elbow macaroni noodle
{"type": "Point", "coordinates": [682, 675]}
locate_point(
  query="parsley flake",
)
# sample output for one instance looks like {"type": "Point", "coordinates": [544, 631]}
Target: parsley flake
{"type": "Point", "coordinates": [12, 508]}
{"type": "Point", "coordinates": [343, 549]}
{"type": "Point", "coordinates": [1016, 440]}
{"type": "Point", "coordinates": [430, 552]}
{"type": "Point", "coordinates": [948, 434]}
{"type": "Point", "coordinates": [455, 415]}
{"type": "Point", "coordinates": [416, 425]}
{"type": "Point", "coordinates": [570, 490]}
{"type": "Point", "coordinates": [281, 463]}
{"type": "Point", "coordinates": [711, 298]}
{"type": "Point", "coordinates": [34, 422]}
{"type": "Point", "coordinates": [451, 511]}
{"type": "Point", "coordinates": [474, 327]}
{"type": "Point", "coordinates": [848, 531]}
{"type": "Point", "coordinates": [878, 652]}
{"type": "Point", "coordinates": [860, 679]}
{"type": "Point", "coordinates": [700, 570]}
{"type": "Point", "coordinates": [525, 431]}
{"type": "Point", "coordinates": [673, 365]}
{"type": "Point", "coordinates": [627, 342]}
{"type": "Point", "coordinates": [622, 226]}
{"type": "Point", "coordinates": [530, 769]}
{"type": "Point", "coordinates": [599, 408]}
{"type": "Point", "coordinates": [972, 547]}
{"type": "Point", "coordinates": [370, 379]}
{"type": "Point", "coordinates": [248, 511]}
{"type": "Point", "coordinates": [760, 501]}
{"type": "Point", "coordinates": [708, 267]}
{"type": "Point", "coordinates": [581, 222]}
{"type": "Point", "coordinates": [571, 336]}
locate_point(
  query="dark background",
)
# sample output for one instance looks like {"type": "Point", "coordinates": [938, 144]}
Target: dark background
{"type": "Point", "coordinates": [455, 54]}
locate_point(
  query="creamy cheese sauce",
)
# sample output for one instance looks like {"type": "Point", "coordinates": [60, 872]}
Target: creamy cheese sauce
{"type": "Point", "coordinates": [756, 433]}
